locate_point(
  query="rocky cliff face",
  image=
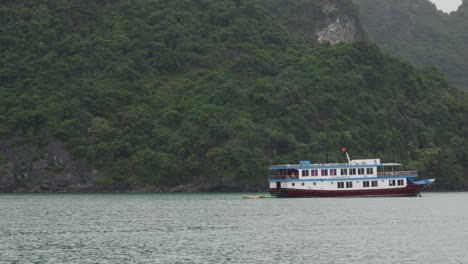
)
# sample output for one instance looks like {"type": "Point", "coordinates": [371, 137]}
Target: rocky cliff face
{"type": "Point", "coordinates": [343, 29]}
{"type": "Point", "coordinates": [51, 168]}
{"type": "Point", "coordinates": [48, 168]}
{"type": "Point", "coordinates": [332, 21]}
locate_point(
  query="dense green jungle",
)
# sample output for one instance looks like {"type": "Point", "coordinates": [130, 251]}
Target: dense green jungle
{"type": "Point", "coordinates": [418, 32]}
{"type": "Point", "coordinates": [213, 91]}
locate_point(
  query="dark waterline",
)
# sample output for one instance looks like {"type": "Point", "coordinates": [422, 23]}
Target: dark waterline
{"type": "Point", "coordinates": [224, 228]}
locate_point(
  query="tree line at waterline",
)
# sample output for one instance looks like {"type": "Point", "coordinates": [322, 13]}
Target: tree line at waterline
{"type": "Point", "coordinates": [172, 92]}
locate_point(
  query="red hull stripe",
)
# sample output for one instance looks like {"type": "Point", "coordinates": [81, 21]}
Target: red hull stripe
{"type": "Point", "coordinates": [411, 190]}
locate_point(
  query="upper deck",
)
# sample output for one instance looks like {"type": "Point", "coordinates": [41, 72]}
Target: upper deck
{"type": "Point", "coordinates": [305, 164]}
{"type": "Point", "coordinates": [352, 169]}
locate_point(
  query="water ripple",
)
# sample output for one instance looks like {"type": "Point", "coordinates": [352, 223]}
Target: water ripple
{"type": "Point", "coordinates": [223, 228]}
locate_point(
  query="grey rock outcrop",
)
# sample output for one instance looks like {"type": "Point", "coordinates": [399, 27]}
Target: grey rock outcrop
{"type": "Point", "coordinates": [332, 21]}
{"type": "Point", "coordinates": [338, 25]}
{"type": "Point", "coordinates": [48, 168]}
{"type": "Point", "coordinates": [343, 29]}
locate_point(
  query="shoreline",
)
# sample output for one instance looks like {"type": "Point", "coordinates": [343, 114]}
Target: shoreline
{"type": "Point", "coordinates": [184, 188]}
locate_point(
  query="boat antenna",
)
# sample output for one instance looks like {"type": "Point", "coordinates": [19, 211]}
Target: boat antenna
{"type": "Point", "coordinates": [326, 144]}
{"type": "Point", "coordinates": [393, 145]}
{"type": "Point", "coordinates": [343, 149]}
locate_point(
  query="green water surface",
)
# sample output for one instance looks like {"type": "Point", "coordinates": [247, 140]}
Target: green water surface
{"type": "Point", "coordinates": [224, 228]}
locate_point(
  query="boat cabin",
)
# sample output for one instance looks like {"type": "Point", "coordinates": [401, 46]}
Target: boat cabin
{"type": "Point", "coordinates": [354, 169]}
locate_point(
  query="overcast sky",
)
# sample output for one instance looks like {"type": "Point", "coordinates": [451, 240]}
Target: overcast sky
{"type": "Point", "coordinates": [447, 5]}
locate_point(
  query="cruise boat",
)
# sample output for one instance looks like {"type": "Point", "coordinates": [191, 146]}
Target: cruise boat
{"type": "Point", "coordinates": [362, 177]}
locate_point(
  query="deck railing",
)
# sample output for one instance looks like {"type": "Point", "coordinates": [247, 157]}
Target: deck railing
{"type": "Point", "coordinates": [282, 177]}
{"type": "Point", "coordinates": [396, 173]}
{"type": "Point", "coordinates": [379, 174]}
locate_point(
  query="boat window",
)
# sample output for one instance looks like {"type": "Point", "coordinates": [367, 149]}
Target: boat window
{"type": "Point", "coordinates": [400, 182]}
{"type": "Point", "coordinates": [370, 170]}
{"type": "Point", "coordinates": [305, 173]}
{"type": "Point", "coordinates": [324, 172]}
{"type": "Point", "coordinates": [302, 184]}
{"type": "Point", "coordinates": [375, 183]}
{"type": "Point", "coordinates": [352, 171]}
{"type": "Point", "coordinates": [349, 184]}
{"type": "Point", "coordinates": [392, 182]}
{"type": "Point", "coordinates": [332, 172]}
{"type": "Point", "coordinates": [344, 171]}
{"type": "Point", "coordinates": [365, 183]}
{"type": "Point", "coordinates": [314, 173]}
{"type": "Point", "coordinates": [340, 185]}
{"type": "Point", "coordinates": [293, 184]}
{"type": "Point", "coordinates": [315, 183]}
{"type": "Point", "coordinates": [361, 171]}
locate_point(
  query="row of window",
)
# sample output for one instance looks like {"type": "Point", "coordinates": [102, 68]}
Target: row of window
{"type": "Point", "coordinates": [399, 182]}
{"type": "Point", "coordinates": [332, 172]}
{"type": "Point", "coordinates": [342, 184]}
{"type": "Point", "coordinates": [365, 184]}
{"type": "Point", "coordinates": [293, 184]}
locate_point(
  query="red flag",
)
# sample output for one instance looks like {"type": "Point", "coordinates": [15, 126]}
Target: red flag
{"type": "Point", "coordinates": [343, 149]}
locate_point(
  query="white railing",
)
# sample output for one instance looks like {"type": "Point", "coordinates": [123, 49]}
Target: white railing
{"type": "Point", "coordinates": [396, 173]}
{"type": "Point", "coordinates": [282, 177]}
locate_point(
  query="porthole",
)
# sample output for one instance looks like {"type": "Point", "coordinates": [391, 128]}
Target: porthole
{"type": "Point", "coordinates": [331, 182]}
{"type": "Point", "coordinates": [315, 183]}
{"type": "Point", "coordinates": [293, 184]}
{"type": "Point", "coordinates": [357, 182]}
{"type": "Point", "coordinates": [302, 184]}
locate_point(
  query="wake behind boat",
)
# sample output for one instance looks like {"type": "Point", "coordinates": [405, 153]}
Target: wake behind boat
{"type": "Point", "coordinates": [363, 177]}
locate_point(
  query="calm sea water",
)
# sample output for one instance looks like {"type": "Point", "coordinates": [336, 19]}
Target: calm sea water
{"type": "Point", "coordinates": [224, 228]}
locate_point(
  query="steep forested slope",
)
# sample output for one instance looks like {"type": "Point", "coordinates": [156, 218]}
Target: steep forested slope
{"type": "Point", "coordinates": [170, 92]}
{"type": "Point", "coordinates": [417, 31]}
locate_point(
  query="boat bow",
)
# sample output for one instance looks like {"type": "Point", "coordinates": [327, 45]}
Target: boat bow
{"type": "Point", "coordinates": [424, 183]}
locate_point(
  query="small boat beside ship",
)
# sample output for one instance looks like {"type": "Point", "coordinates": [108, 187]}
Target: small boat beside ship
{"type": "Point", "coordinates": [362, 177]}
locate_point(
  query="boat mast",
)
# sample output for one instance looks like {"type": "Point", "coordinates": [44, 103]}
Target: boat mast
{"type": "Point", "coordinates": [343, 149]}
{"type": "Point", "coordinates": [326, 144]}
{"type": "Point", "coordinates": [393, 149]}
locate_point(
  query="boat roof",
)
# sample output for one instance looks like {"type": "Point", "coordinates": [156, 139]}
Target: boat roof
{"type": "Point", "coordinates": [304, 165]}
{"type": "Point", "coordinates": [391, 164]}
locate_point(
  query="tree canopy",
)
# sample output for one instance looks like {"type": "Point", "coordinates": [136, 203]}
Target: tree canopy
{"type": "Point", "coordinates": [213, 91]}
{"type": "Point", "coordinates": [418, 32]}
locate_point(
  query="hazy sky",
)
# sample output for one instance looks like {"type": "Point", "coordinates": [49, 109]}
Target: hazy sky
{"type": "Point", "coordinates": [447, 5]}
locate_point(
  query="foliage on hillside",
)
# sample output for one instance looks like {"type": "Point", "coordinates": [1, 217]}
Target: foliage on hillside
{"type": "Point", "coordinates": [417, 31]}
{"type": "Point", "coordinates": [169, 92]}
